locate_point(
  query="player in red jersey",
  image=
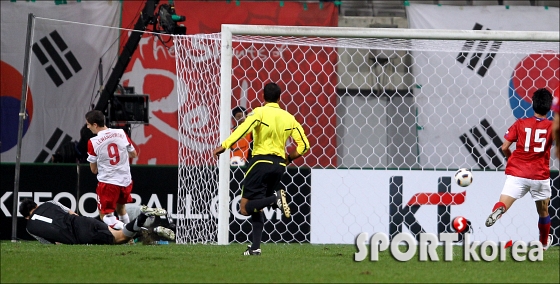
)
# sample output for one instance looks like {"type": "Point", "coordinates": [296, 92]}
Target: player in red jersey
{"type": "Point", "coordinates": [108, 155]}
{"type": "Point", "coordinates": [556, 123]}
{"type": "Point", "coordinates": [527, 168]}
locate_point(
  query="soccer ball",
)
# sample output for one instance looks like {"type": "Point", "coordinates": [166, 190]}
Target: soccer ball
{"type": "Point", "coordinates": [464, 177]}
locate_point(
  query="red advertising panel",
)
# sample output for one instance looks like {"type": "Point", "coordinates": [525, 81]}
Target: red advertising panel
{"type": "Point", "coordinates": [307, 74]}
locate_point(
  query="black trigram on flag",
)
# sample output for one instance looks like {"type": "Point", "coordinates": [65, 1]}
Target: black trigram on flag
{"type": "Point", "coordinates": [481, 143]}
{"type": "Point", "coordinates": [472, 59]}
{"type": "Point", "coordinates": [49, 149]}
{"type": "Point", "coordinates": [55, 56]}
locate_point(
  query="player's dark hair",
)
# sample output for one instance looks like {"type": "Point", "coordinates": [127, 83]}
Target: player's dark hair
{"type": "Point", "coordinates": [26, 206]}
{"type": "Point", "coordinates": [271, 92]}
{"type": "Point", "coordinates": [238, 109]}
{"type": "Point", "coordinates": [542, 101]}
{"type": "Point", "coordinates": [95, 116]}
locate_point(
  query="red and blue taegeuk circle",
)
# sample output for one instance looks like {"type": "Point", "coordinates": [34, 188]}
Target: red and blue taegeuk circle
{"type": "Point", "coordinates": [10, 101]}
{"type": "Point", "coordinates": [533, 72]}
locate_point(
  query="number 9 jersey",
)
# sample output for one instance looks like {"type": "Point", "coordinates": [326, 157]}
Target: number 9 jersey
{"type": "Point", "coordinates": [109, 149]}
{"type": "Point", "coordinates": [531, 157]}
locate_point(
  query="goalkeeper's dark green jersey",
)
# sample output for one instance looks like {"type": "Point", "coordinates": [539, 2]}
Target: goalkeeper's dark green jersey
{"type": "Point", "coordinates": [271, 126]}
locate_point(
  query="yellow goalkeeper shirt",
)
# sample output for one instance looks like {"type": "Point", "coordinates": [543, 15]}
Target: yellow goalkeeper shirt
{"type": "Point", "coordinates": [271, 127]}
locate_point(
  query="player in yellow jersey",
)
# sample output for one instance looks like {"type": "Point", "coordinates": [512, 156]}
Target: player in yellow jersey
{"type": "Point", "coordinates": [271, 127]}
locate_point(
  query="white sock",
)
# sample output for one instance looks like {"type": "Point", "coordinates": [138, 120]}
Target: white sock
{"type": "Point", "coordinates": [112, 221]}
{"type": "Point", "coordinates": [149, 221]}
{"type": "Point", "coordinates": [118, 225]}
{"type": "Point", "coordinates": [124, 218]}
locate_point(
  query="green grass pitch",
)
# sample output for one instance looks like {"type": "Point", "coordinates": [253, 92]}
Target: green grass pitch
{"type": "Point", "coordinates": [33, 262]}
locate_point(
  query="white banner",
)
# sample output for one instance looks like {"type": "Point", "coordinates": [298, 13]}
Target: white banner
{"type": "Point", "coordinates": [458, 95]}
{"type": "Point", "coordinates": [63, 71]}
{"type": "Point", "coordinates": [346, 203]}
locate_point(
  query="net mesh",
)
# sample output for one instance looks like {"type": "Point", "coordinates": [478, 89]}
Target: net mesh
{"type": "Point", "coordinates": [388, 121]}
{"type": "Point", "coordinates": [197, 86]}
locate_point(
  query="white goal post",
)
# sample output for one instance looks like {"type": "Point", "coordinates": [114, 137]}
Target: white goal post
{"type": "Point", "coordinates": [393, 106]}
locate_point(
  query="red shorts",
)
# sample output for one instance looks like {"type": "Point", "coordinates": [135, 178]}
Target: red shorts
{"type": "Point", "coordinates": [108, 195]}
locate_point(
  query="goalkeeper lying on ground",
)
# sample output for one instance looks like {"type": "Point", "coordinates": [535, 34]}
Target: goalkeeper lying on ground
{"type": "Point", "coordinates": [52, 222]}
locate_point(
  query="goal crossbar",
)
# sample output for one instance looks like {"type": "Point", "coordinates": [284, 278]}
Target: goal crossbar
{"type": "Point", "coordinates": [393, 33]}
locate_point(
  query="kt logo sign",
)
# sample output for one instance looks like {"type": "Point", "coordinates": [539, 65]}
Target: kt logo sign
{"type": "Point", "coordinates": [400, 215]}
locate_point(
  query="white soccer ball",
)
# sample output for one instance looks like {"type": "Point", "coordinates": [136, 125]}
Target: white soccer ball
{"type": "Point", "coordinates": [464, 177]}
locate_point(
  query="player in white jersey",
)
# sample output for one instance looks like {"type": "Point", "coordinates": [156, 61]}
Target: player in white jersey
{"type": "Point", "coordinates": [108, 155]}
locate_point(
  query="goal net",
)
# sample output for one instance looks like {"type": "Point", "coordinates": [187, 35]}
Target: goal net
{"type": "Point", "coordinates": [390, 115]}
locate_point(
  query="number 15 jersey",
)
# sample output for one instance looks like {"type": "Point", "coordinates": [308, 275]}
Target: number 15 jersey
{"type": "Point", "coordinates": [531, 157]}
{"type": "Point", "coordinates": [109, 149]}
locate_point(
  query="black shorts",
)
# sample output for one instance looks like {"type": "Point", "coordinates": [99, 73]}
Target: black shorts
{"type": "Point", "coordinates": [92, 231]}
{"type": "Point", "coordinates": [263, 176]}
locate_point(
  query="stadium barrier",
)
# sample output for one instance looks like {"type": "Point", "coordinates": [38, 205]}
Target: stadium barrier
{"type": "Point", "coordinates": [157, 186]}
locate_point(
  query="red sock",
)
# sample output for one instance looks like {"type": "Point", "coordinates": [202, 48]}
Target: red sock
{"type": "Point", "coordinates": [544, 229]}
{"type": "Point", "coordinates": [498, 205]}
